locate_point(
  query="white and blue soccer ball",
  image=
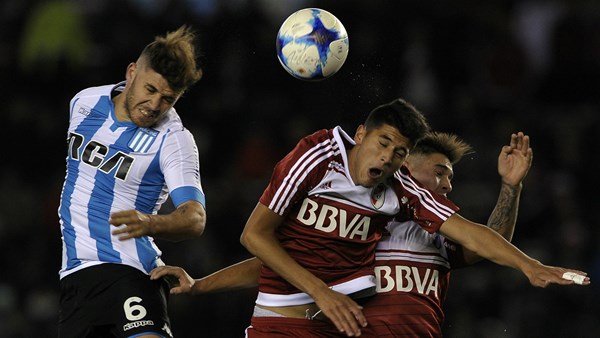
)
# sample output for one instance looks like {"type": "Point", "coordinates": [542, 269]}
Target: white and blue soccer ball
{"type": "Point", "coordinates": [312, 44]}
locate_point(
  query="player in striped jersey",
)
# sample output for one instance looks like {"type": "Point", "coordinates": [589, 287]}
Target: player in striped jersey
{"type": "Point", "coordinates": [128, 151]}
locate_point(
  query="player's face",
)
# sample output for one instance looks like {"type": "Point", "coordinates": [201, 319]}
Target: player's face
{"type": "Point", "coordinates": [148, 96]}
{"type": "Point", "coordinates": [434, 171]}
{"type": "Point", "coordinates": [378, 154]}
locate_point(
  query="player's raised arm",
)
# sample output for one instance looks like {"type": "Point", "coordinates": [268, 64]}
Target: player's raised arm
{"type": "Point", "coordinates": [514, 162]}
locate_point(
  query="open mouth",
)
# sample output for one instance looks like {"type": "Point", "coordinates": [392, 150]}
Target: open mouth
{"type": "Point", "coordinates": [146, 112]}
{"type": "Point", "coordinates": [375, 173]}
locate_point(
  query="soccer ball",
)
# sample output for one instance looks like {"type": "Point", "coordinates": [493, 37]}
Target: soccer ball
{"type": "Point", "coordinates": [312, 44]}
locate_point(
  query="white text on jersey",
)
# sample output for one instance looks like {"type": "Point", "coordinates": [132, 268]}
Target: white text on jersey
{"type": "Point", "coordinates": [407, 279]}
{"type": "Point", "coordinates": [327, 218]}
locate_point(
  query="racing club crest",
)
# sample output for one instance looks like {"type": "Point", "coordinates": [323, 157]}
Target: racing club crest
{"type": "Point", "coordinates": [378, 196]}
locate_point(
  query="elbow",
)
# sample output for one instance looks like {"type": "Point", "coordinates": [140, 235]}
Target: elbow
{"type": "Point", "coordinates": [254, 243]}
{"type": "Point", "coordinates": [244, 239]}
{"type": "Point", "coordinates": [199, 225]}
{"type": "Point", "coordinates": [194, 227]}
{"type": "Point", "coordinates": [198, 222]}
{"type": "Point", "coordinates": [247, 240]}
{"type": "Point", "coordinates": [198, 229]}
{"type": "Point", "coordinates": [192, 231]}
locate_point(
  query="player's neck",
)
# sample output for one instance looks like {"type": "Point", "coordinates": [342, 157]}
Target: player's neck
{"type": "Point", "coordinates": [119, 107]}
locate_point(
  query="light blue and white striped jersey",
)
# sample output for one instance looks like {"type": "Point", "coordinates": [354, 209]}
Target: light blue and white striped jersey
{"type": "Point", "coordinates": [115, 166]}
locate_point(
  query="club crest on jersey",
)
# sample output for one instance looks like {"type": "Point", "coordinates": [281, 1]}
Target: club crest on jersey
{"type": "Point", "coordinates": [378, 196]}
{"type": "Point", "coordinates": [142, 140]}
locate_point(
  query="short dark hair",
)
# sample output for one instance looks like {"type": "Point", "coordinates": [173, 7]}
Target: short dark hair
{"type": "Point", "coordinates": [401, 115]}
{"type": "Point", "coordinates": [446, 144]}
{"type": "Point", "coordinates": [174, 57]}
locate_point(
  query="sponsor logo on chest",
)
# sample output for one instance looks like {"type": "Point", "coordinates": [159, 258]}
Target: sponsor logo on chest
{"type": "Point", "coordinates": [401, 278]}
{"type": "Point", "coordinates": [329, 218]}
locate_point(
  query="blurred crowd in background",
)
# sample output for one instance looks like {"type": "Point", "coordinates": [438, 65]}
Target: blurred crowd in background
{"type": "Point", "coordinates": [480, 69]}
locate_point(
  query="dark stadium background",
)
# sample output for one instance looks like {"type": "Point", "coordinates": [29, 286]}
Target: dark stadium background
{"type": "Point", "coordinates": [481, 69]}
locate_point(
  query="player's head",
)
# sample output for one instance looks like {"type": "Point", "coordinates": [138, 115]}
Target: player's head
{"type": "Point", "coordinates": [401, 116]}
{"type": "Point", "coordinates": [165, 69]}
{"type": "Point", "coordinates": [432, 159]}
{"type": "Point", "coordinates": [173, 56]}
{"type": "Point", "coordinates": [384, 141]}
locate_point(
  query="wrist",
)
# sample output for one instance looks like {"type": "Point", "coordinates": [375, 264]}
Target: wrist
{"type": "Point", "coordinates": [318, 292]}
{"type": "Point", "coordinates": [512, 187]}
{"type": "Point", "coordinates": [152, 222]}
{"type": "Point", "coordinates": [528, 266]}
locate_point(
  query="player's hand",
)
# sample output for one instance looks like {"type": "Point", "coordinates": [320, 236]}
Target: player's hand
{"type": "Point", "coordinates": [134, 224]}
{"type": "Point", "coordinates": [343, 312]}
{"type": "Point", "coordinates": [184, 282]}
{"type": "Point", "coordinates": [515, 159]}
{"type": "Point", "coordinates": [541, 275]}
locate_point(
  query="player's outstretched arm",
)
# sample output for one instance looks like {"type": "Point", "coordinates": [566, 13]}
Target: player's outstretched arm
{"type": "Point", "coordinates": [186, 221]}
{"type": "Point", "coordinates": [241, 275]}
{"type": "Point", "coordinates": [514, 163]}
{"type": "Point", "coordinates": [259, 238]}
{"type": "Point", "coordinates": [490, 245]}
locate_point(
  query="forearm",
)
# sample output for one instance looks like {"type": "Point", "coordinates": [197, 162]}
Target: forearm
{"type": "Point", "coordinates": [185, 222]}
{"type": "Point", "coordinates": [504, 216]}
{"type": "Point", "coordinates": [502, 219]}
{"type": "Point", "coordinates": [259, 239]}
{"type": "Point", "coordinates": [484, 242]}
{"type": "Point", "coordinates": [241, 275]}
{"type": "Point", "coordinates": [270, 252]}
{"type": "Point", "coordinates": [490, 245]}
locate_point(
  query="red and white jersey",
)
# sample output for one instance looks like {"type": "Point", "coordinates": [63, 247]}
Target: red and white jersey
{"type": "Point", "coordinates": [413, 273]}
{"type": "Point", "coordinates": [332, 225]}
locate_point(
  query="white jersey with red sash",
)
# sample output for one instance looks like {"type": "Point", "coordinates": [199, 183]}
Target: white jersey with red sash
{"type": "Point", "coordinates": [413, 273]}
{"type": "Point", "coordinates": [331, 224]}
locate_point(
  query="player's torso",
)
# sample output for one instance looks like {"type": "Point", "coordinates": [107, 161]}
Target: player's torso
{"type": "Point", "coordinates": [331, 225]}
{"type": "Point", "coordinates": [111, 166]}
{"type": "Point", "coordinates": [112, 160]}
{"type": "Point", "coordinates": [412, 272]}
{"type": "Point", "coordinates": [411, 260]}
{"type": "Point", "coordinates": [338, 224]}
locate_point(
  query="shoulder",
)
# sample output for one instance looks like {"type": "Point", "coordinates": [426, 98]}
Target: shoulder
{"type": "Point", "coordinates": [176, 135]}
{"type": "Point", "coordinates": [334, 137]}
{"type": "Point", "coordinates": [95, 91]}
{"type": "Point", "coordinates": [318, 136]}
{"type": "Point", "coordinates": [411, 191]}
{"type": "Point", "coordinates": [91, 99]}
{"type": "Point", "coordinates": [171, 122]}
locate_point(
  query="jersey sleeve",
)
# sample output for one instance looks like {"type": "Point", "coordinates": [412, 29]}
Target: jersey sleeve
{"type": "Point", "coordinates": [297, 172]}
{"type": "Point", "coordinates": [426, 208]}
{"type": "Point", "coordinates": [181, 167]}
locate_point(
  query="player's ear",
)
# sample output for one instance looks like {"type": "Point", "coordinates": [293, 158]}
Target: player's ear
{"type": "Point", "coordinates": [361, 131]}
{"type": "Point", "coordinates": [130, 72]}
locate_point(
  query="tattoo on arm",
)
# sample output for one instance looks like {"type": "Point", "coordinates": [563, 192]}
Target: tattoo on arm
{"type": "Point", "coordinates": [505, 211]}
